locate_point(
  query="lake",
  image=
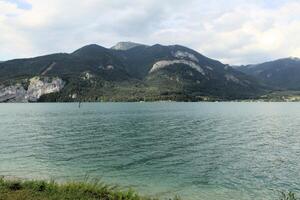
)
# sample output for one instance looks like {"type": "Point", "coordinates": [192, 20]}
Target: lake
{"type": "Point", "coordinates": [210, 151]}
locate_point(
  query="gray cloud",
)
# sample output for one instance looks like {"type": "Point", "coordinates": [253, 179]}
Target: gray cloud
{"type": "Point", "coordinates": [233, 31]}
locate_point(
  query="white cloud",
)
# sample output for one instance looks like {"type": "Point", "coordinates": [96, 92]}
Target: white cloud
{"type": "Point", "coordinates": [233, 31]}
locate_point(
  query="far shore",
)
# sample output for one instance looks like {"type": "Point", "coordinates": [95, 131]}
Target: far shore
{"type": "Point", "coordinates": [170, 101]}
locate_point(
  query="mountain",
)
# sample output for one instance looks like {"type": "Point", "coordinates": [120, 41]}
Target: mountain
{"type": "Point", "coordinates": [183, 67]}
{"type": "Point", "coordinates": [130, 72]}
{"type": "Point", "coordinates": [123, 46]}
{"type": "Point", "coordinates": [281, 74]}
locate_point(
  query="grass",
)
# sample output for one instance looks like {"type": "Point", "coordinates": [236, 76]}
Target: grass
{"type": "Point", "coordinates": [88, 190]}
{"type": "Point", "coordinates": [50, 190]}
{"type": "Point", "coordinates": [288, 196]}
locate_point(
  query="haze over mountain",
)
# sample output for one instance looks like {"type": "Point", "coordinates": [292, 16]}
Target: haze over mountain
{"type": "Point", "coordinates": [128, 71]}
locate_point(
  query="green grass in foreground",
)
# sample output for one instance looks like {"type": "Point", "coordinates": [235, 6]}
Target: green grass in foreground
{"type": "Point", "coordinates": [50, 190]}
{"type": "Point", "coordinates": [43, 190]}
{"type": "Point", "coordinates": [288, 196]}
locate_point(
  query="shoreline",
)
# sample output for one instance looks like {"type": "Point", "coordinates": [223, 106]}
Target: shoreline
{"type": "Point", "coordinates": [12, 188]}
{"type": "Point", "coordinates": [25, 189]}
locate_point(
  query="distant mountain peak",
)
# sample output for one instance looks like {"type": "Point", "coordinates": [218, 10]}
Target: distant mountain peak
{"type": "Point", "coordinates": [126, 45]}
{"type": "Point", "coordinates": [89, 50]}
{"type": "Point", "coordinates": [92, 46]}
{"type": "Point", "coordinates": [294, 58]}
{"type": "Point", "coordinates": [281, 73]}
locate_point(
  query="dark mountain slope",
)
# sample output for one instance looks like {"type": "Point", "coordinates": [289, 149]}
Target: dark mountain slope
{"type": "Point", "coordinates": [282, 73]}
{"type": "Point", "coordinates": [94, 59]}
{"type": "Point", "coordinates": [28, 67]}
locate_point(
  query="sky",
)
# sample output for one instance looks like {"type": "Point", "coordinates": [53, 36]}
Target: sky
{"type": "Point", "coordinates": [232, 31]}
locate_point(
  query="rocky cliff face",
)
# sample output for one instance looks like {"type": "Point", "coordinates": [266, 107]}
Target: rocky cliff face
{"type": "Point", "coordinates": [14, 93]}
{"type": "Point", "coordinates": [37, 87]}
{"type": "Point", "coordinates": [123, 46]}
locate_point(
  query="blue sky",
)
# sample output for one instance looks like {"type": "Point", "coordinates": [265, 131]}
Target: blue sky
{"type": "Point", "coordinates": [22, 4]}
{"type": "Point", "coordinates": [233, 31]}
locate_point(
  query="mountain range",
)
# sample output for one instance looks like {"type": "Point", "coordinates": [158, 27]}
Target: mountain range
{"type": "Point", "coordinates": [281, 74]}
{"type": "Point", "coordinates": [136, 72]}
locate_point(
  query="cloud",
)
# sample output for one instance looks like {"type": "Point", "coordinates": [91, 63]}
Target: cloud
{"type": "Point", "coordinates": [233, 31]}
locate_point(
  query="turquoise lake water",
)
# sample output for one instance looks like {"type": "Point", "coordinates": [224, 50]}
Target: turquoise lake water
{"type": "Point", "coordinates": [210, 151]}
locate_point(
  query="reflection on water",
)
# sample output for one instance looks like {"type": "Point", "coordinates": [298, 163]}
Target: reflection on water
{"type": "Point", "coordinates": [196, 150]}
